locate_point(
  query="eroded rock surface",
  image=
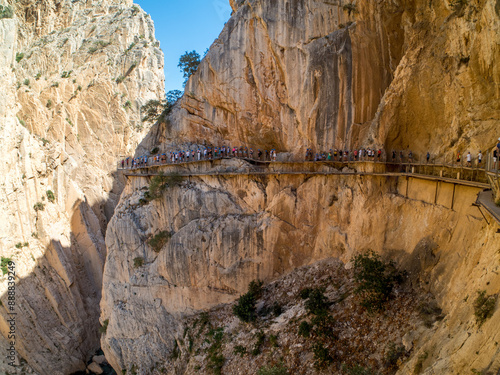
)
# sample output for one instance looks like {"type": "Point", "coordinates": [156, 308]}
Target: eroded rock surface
{"type": "Point", "coordinates": [73, 76]}
{"type": "Point", "coordinates": [296, 74]}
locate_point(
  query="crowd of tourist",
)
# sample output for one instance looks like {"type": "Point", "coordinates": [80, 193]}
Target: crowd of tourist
{"type": "Point", "coordinates": [338, 155]}
{"type": "Point", "coordinates": [200, 154]}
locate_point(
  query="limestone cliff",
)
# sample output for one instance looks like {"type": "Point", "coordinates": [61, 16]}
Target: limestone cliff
{"type": "Point", "coordinates": [296, 74]}
{"type": "Point", "coordinates": [73, 75]}
{"type": "Point", "coordinates": [324, 74]}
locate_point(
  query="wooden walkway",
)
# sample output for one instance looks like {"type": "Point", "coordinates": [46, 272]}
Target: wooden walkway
{"type": "Point", "coordinates": [485, 200]}
{"type": "Point", "coordinates": [455, 175]}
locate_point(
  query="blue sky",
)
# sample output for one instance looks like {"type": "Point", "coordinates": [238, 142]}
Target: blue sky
{"type": "Point", "coordinates": [185, 26]}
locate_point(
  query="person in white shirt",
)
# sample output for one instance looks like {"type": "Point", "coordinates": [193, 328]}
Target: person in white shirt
{"type": "Point", "coordinates": [469, 159]}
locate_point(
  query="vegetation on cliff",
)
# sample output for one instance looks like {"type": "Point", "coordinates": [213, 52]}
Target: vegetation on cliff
{"type": "Point", "coordinates": [322, 328]}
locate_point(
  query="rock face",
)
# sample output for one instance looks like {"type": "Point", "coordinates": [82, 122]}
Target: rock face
{"type": "Point", "coordinates": [296, 74]}
{"type": "Point", "coordinates": [325, 74]}
{"type": "Point", "coordinates": [73, 75]}
{"type": "Point", "coordinates": [229, 231]}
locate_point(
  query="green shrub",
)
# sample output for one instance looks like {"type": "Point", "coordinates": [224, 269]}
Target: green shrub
{"type": "Point", "coordinates": [375, 280]}
{"type": "Point", "coordinates": [317, 303]}
{"type": "Point", "coordinates": [350, 8]}
{"type": "Point", "coordinates": [188, 63]}
{"type": "Point", "coordinates": [392, 354]}
{"type": "Point", "coordinates": [49, 103]}
{"type": "Point", "coordinates": [304, 293]}
{"type": "Point", "coordinates": [138, 262]}
{"type": "Point", "coordinates": [305, 329]}
{"type": "Point", "coordinates": [39, 206]}
{"type": "Point", "coordinates": [19, 245]}
{"type": "Point", "coordinates": [322, 357]}
{"type": "Point", "coordinates": [44, 141]}
{"type": "Point", "coordinates": [38, 75]}
{"type": "Point", "coordinates": [458, 5]}
{"type": "Point", "coordinates": [357, 370]}
{"type": "Point", "coordinates": [66, 74]}
{"type": "Point", "coordinates": [245, 308]}
{"type": "Point", "coordinates": [153, 110]}
{"type": "Point", "coordinates": [215, 363]}
{"type": "Point", "coordinates": [4, 265]}
{"type": "Point", "coordinates": [19, 56]}
{"type": "Point", "coordinates": [241, 350]}
{"type": "Point", "coordinates": [277, 309]}
{"type": "Point", "coordinates": [132, 45]}
{"type": "Point", "coordinates": [6, 12]}
{"type": "Point", "coordinates": [260, 336]}
{"type": "Point", "coordinates": [50, 196]}
{"type": "Point", "coordinates": [323, 325]}
{"type": "Point", "coordinates": [279, 369]}
{"type": "Point", "coordinates": [159, 240]}
{"type": "Point", "coordinates": [98, 45]}
{"type": "Point", "coordinates": [26, 82]}
{"type": "Point", "coordinates": [483, 306]}
{"type": "Point", "coordinates": [104, 327]}
{"type": "Point", "coordinates": [420, 362]}
{"type": "Point", "coordinates": [215, 358]}
{"type": "Point", "coordinates": [255, 288]}
{"type": "Point", "coordinates": [55, 84]}
{"type": "Point", "coordinates": [128, 104]}
{"type": "Point", "coordinates": [245, 305]}
{"type": "Point", "coordinates": [158, 184]}
{"type": "Point", "coordinates": [120, 79]}
{"type": "Point", "coordinates": [273, 340]}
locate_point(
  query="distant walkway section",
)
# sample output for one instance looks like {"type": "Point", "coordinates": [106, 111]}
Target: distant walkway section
{"type": "Point", "coordinates": [233, 166]}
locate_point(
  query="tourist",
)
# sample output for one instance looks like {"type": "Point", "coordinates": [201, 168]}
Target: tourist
{"type": "Point", "coordinates": [469, 159]}
{"type": "Point", "coordinates": [394, 156]}
{"type": "Point", "coordinates": [458, 157]}
{"type": "Point", "coordinates": [495, 155]}
{"type": "Point", "coordinates": [479, 158]}
{"type": "Point", "coordinates": [428, 157]}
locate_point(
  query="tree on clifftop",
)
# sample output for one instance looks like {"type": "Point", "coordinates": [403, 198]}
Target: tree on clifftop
{"type": "Point", "coordinates": [188, 63]}
{"type": "Point", "coordinates": [154, 109]}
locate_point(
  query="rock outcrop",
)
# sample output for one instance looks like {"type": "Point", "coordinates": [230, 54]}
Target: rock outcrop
{"type": "Point", "coordinates": [73, 76]}
{"type": "Point", "coordinates": [325, 74]}
{"type": "Point", "coordinates": [296, 74]}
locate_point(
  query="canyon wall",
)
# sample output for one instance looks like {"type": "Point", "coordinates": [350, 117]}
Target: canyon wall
{"type": "Point", "coordinates": [324, 74]}
{"type": "Point", "coordinates": [227, 231]}
{"type": "Point", "coordinates": [290, 75]}
{"type": "Point", "coordinates": [74, 75]}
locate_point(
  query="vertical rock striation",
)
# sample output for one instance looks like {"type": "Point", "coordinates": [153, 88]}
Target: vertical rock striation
{"type": "Point", "coordinates": [296, 74]}
{"type": "Point", "coordinates": [73, 76]}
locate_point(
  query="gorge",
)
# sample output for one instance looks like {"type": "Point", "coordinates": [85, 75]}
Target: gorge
{"type": "Point", "coordinates": [284, 74]}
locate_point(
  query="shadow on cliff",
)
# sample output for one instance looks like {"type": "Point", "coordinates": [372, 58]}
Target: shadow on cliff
{"type": "Point", "coordinates": [57, 305]}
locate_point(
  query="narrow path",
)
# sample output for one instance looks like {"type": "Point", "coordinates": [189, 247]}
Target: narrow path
{"type": "Point", "coordinates": [485, 199]}
{"type": "Point", "coordinates": [456, 175]}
